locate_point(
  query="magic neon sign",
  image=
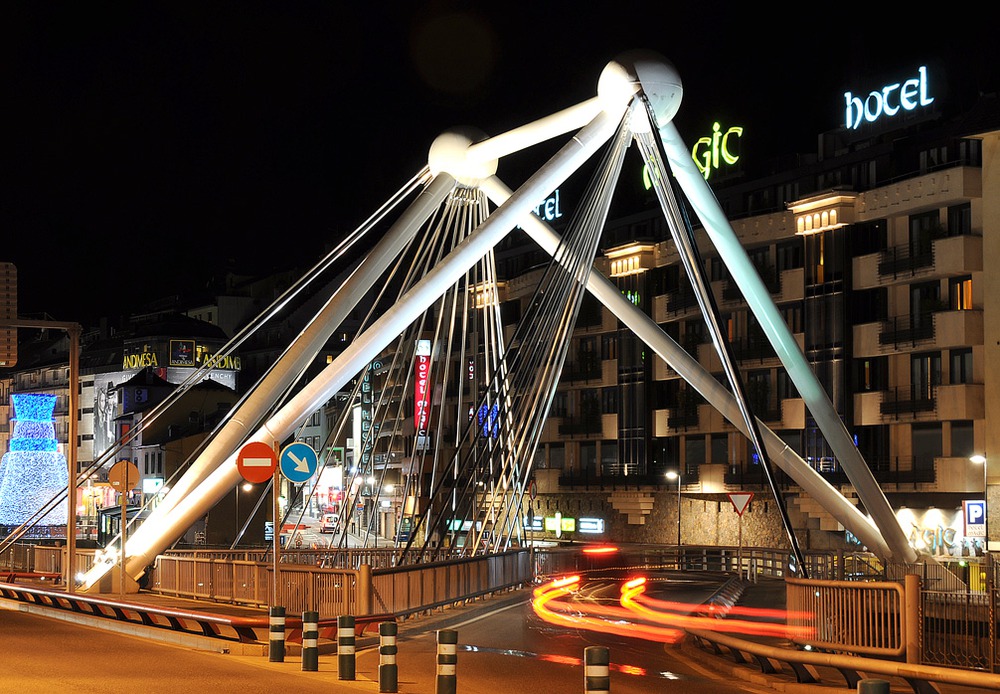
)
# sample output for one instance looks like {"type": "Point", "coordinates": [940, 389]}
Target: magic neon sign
{"type": "Point", "coordinates": [709, 153]}
{"type": "Point", "coordinates": [888, 101]}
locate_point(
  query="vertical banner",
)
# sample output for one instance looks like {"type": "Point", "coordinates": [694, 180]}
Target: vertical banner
{"type": "Point", "coordinates": [421, 393]}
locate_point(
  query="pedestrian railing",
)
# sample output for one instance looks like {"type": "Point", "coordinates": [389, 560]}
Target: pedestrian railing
{"type": "Point", "coordinates": [398, 590]}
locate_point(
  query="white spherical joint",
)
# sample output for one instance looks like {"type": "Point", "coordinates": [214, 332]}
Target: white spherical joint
{"type": "Point", "coordinates": [449, 154]}
{"type": "Point", "coordinates": [643, 72]}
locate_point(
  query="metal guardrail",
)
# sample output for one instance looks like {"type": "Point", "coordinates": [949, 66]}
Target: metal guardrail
{"type": "Point", "coordinates": [857, 617]}
{"type": "Point", "coordinates": [397, 590]}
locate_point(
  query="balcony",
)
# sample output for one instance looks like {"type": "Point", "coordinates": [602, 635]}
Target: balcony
{"type": "Point", "coordinates": [908, 401]}
{"type": "Point", "coordinates": [939, 330]}
{"type": "Point", "coordinates": [947, 257]}
{"type": "Point", "coordinates": [587, 426]}
{"type": "Point", "coordinates": [961, 401]}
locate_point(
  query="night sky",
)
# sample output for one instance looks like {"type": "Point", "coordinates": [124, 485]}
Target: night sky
{"type": "Point", "coordinates": [150, 145]}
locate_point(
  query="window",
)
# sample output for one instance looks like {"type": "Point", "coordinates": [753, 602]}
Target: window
{"type": "Point", "coordinates": [871, 374]}
{"type": "Point", "coordinates": [559, 405]}
{"type": "Point", "coordinates": [960, 220]}
{"type": "Point", "coordinates": [788, 255]}
{"type": "Point", "coordinates": [960, 293]}
{"type": "Point", "coordinates": [694, 453]}
{"type": "Point", "coordinates": [926, 441]}
{"type": "Point", "coordinates": [720, 449]}
{"type": "Point", "coordinates": [925, 298]}
{"type": "Point", "coordinates": [962, 443]}
{"type": "Point", "coordinates": [960, 366]}
{"type": "Point", "coordinates": [922, 229]}
{"type": "Point", "coordinates": [925, 373]}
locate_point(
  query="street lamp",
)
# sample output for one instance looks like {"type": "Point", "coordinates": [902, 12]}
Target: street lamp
{"type": "Point", "coordinates": [981, 460]}
{"type": "Point", "coordinates": [677, 476]}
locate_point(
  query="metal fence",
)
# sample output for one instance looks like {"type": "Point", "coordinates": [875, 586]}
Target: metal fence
{"type": "Point", "coordinates": [300, 587]}
{"type": "Point", "coordinates": [865, 618]}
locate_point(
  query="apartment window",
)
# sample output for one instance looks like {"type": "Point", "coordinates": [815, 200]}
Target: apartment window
{"type": "Point", "coordinates": [788, 255]}
{"type": "Point", "coordinates": [925, 299]}
{"type": "Point", "coordinates": [557, 456]}
{"type": "Point", "coordinates": [960, 293]}
{"type": "Point", "coordinates": [792, 315]}
{"type": "Point", "coordinates": [960, 220]}
{"type": "Point", "coordinates": [871, 374]}
{"type": "Point", "coordinates": [559, 405]}
{"type": "Point", "coordinates": [694, 453]}
{"type": "Point", "coordinates": [925, 373]}
{"type": "Point", "coordinates": [609, 400]}
{"type": "Point", "coordinates": [922, 230]}
{"type": "Point", "coordinates": [926, 441]}
{"type": "Point", "coordinates": [960, 363]}
{"type": "Point", "coordinates": [932, 158]}
{"type": "Point", "coordinates": [609, 346]}
{"type": "Point", "coordinates": [962, 443]}
{"type": "Point", "coordinates": [720, 449]}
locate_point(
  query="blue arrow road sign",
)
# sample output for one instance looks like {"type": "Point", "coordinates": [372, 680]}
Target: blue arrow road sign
{"type": "Point", "coordinates": [298, 461]}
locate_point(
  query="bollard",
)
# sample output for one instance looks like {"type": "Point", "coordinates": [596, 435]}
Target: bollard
{"type": "Point", "coordinates": [388, 675]}
{"type": "Point", "coordinates": [276, 635]}
{"type": "Point", "coordinates": [310, 641]}
{"type": "Point", "coordinates": [345, 647]}
{"type": "Point", "coordinates": [873, 686]}
{"type": "Point", "coordinates": [596, 670]}
{"type": "Point", "coordinates": [447, 658]}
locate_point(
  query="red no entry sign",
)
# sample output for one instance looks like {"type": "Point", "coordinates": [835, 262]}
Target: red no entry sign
{"type": "Point", "coordinates": [257, 462]}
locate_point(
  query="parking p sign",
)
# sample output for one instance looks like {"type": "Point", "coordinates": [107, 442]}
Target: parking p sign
{"type": "Point", "coordinates": [974, 513]}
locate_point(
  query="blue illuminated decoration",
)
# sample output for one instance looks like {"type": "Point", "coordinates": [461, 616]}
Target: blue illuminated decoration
{"type": "Point", "coordinates": [33, 471]}
{"type": "Point", "coordinates": [488, 421]}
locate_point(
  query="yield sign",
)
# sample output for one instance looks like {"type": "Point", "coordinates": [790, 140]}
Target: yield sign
{"type": "Point", "coordinates": [256, 461]}
{"type": "Point", "coordinates": [740, 501]}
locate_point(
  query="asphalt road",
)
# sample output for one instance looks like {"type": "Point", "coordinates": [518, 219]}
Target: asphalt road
{"type": "Point", "coordinates": [503, 646]}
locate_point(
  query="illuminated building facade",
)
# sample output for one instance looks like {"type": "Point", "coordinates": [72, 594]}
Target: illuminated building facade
{"type": "Point", "coordinates": [873, 251]}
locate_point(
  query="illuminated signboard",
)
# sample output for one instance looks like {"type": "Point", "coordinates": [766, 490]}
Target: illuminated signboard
{"type": "Point", "coordinates": [558, 524]}
{"type": "Point", "coordinates": [888, 101]}
{"type": "Point", "coordinates": [550, 209]}
{"type": "Point", "coordinates": [182, 352]}
{"type": "Point", "coordinates": [593, 526]}
{"type": "Point", "coordinates": [421, 392]}
{"type": "Point", "coordinates": [709, 153]}
{"type": "Point", "coordinates": [936, 531]}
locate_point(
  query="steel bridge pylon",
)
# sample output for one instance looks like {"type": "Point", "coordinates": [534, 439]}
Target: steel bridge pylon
{"type": "Point", "coordinates": [637, 94]}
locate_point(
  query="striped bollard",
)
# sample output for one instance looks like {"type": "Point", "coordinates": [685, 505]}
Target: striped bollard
{"type": "Point", "coordinates": [276, 635]}
{"type": "Point", "coordinates": [310, 641]}
{"type": "Point", "coordinates": [388, 674]}
{"type": "Point", "coordinates": [345, 647]}
{"type": "Point", "coordinates": [447, 658]}
{"type": "Point", "coordinates": [596, 670]}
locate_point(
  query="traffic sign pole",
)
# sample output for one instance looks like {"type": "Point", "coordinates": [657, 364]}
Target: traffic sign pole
{"type": "Point", "coordinates": [276, 535]}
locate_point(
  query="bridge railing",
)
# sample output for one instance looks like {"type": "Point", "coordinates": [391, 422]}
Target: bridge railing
{"type": "Point", "coordinates": [399, 590]}
{"type": "Point", "coordinates": [858, 617]}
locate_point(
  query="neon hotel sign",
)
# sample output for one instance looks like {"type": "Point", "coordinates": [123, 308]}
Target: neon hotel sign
{"type": "Point", "coordinates": [888, 101]}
